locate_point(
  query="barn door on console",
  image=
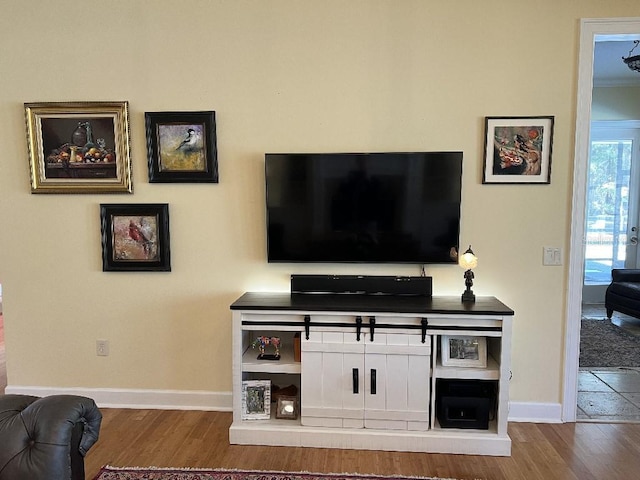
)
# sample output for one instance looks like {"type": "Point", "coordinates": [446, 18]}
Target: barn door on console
{"type": "Point", "coordinates": [332, 384]}
{"type": "Point", "coordinates": [397, 370]}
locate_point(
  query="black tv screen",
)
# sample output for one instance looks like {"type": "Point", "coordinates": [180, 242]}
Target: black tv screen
{"type": "Point", "coordinates": [363, 207]}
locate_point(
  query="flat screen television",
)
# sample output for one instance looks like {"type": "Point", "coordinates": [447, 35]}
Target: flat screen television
{"type": "Point", "coordinates": [363, 207]}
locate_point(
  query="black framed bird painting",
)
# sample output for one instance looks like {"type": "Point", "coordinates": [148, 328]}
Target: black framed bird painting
{"type": "Point", "coordinates": [182, 147]}
{"type": "Point", "coordinates": [135, 237]}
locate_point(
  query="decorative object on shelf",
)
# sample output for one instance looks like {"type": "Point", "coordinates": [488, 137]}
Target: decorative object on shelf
{"type": "Point", "coordinates": [463, 351]}
{"type": "Point", "coordinates": [256, 399]}
{"type": "Point", "coordinates": [135, 237]}
{"type": "Point", "coordinates": [287, 407]}
{"type": "Point", "coordinates": [468, 261]}
{"type": "Point", "coordinates": [277, 392]}
{"type": "Point", "coordinates": [79, 147]}
{"type": "Point", "coordinates": [263, 342]}
{"type": "Point", "coordinates": [518, 149]}
{"type": "Point", "coordinates": [182, 147]}
{"type": "Point", "coordinates": [633, 62]}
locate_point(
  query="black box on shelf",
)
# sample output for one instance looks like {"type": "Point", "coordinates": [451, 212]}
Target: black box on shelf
{"type": "Point", "coordinates": [465, 403]}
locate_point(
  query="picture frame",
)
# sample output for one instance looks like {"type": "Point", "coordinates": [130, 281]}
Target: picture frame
{"type": "Point", "coordinates": [182, 147]}
{"type": "Point", "coordinates": [79, 147]}
{"type": "Point", "coordinates": [256, 399]}
{"type": "Point", "coordinates": [287, 408]}
{"type": "Point", "coordinates": [463, 351]}
{"type": "Point", "coordinates": [135, 237]}
{"type": "Point", "coordinates": [517, 150]}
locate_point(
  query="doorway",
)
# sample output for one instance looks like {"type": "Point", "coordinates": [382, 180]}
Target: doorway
{"type": "Point", "coordinates": [591, 31]}
{"type": "Point", "coordinates": [609, 373]}
{"type": "Point", "coordinates": [613, 194]}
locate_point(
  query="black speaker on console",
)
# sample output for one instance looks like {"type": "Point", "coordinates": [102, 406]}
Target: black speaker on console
{"type": "Point", "coordinates": [362, 284]}
{"type": "Point", "coordinates": [465, 403]}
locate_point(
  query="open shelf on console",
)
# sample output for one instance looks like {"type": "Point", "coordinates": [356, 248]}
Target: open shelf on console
{"type": "Point", "coordinates": [490, 372]}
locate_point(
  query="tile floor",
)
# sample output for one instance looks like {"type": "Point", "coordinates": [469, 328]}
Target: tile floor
{"type": "Point", "coordinates": [610, 394]}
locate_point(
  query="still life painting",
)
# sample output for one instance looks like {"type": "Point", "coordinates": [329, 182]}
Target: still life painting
{"type": "Point", "coordinates": [79, 147]}
{"type": "Point", "coordinates": [181, 147]}
{"type": "Point", "coordinates": [518, 149]}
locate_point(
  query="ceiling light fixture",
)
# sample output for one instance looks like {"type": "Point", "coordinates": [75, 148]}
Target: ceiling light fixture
{"type": "Point", "coordinates": [633, 62]}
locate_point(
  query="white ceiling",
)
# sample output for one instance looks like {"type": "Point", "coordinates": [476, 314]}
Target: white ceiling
{"type": "Point", "coordinates": [608, 67]}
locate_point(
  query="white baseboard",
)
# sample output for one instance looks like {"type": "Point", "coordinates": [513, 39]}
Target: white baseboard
{"type": "Point", "coordinates": [222, 401]}
{"type": "Point", "coordinates": [535, 412]}
{"type": "Point", "coordinates": [143, 399]}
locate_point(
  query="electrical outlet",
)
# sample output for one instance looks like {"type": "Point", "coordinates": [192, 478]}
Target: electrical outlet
{"type": "Point", "coordinates": [102, 348]}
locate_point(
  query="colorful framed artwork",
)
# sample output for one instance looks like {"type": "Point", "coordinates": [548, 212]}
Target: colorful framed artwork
{"type": "Point", "coordinates": [463, 351]}
{"type": "Point", "coordinates": [79, 147]}
{"type": "Point", "coordinates": [256, 399]}
{"type": "Point", "coordinates": [181, 147]}
{"type": "Point", "coordinates": [518, 150]}
{"type": "Point", "coordinates": [135, 237]}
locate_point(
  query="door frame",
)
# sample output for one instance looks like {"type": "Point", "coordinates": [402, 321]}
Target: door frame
{"type": "Point", "coordinates": [591, 29]}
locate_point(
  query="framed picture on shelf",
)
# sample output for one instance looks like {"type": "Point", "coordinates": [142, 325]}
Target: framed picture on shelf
{"type": "Point", "coordinates": [287, 407]}
{"type": "Point", "coordinates": [135, 237]}
{"type": "Point", "coordinates": [463, 351]}
{"type": "Point", "coordinates": [181, 147]}
{"type": "Point", "coordinates": [256, 399]}
{"type": "Point", "coordinates": [518, 150]}
{"type": "Point", "coordinates": [79, 147]}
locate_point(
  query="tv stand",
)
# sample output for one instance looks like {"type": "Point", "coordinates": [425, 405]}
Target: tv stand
{"type": "Point", "coordinates": [371, 373]}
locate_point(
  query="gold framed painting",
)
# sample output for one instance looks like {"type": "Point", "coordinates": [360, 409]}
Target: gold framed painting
{"type": "Point", "coordinates": [79, 147]}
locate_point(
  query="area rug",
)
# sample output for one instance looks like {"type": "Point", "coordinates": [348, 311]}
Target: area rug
{"type": "Point", "coordinates": [152, 473]}
{"type": "Point", "coordinates": [603, 344]}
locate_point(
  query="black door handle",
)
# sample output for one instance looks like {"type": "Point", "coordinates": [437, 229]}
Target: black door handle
{"type": "Point", "coordinates": [373, 381]}
{"type": "Point", "coordinates": [354, 374]}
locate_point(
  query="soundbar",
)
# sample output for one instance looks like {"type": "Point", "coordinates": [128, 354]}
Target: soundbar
{"type": "Point", "coordinates": [362, 284]}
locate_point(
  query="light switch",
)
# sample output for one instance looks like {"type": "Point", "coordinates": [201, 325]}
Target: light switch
{"type": "Point", "coordinates": [551, 256]}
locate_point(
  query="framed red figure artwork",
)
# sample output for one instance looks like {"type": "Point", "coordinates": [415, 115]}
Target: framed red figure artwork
{"type": "Point", "coordinates": [135, 237]}
{"type": "Point", "coordinates": [518, 150]}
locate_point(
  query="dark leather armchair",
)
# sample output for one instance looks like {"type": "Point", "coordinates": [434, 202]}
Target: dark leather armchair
{"type": "Point", "coordinates": [623, 294]}
{"type": "Point", "coordinates": [46, 438]}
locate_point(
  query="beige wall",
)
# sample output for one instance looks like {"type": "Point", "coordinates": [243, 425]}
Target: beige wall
{"type": "Point", "coordinates": [616, 103]}
{"type": "Point", "coordinates": [281, 76]}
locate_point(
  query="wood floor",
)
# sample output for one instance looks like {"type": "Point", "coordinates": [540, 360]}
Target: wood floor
{"type": "Point", "coordinates": [580, 451]}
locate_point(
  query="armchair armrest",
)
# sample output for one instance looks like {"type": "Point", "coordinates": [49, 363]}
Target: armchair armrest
{"type": "Point", "coordinates": [43, 438]}
{"type": "Point", "coordinates": [625, 275]}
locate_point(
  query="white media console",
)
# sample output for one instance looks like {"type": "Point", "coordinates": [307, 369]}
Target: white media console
{"type": "Point", "coordinates": [370, 373]}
